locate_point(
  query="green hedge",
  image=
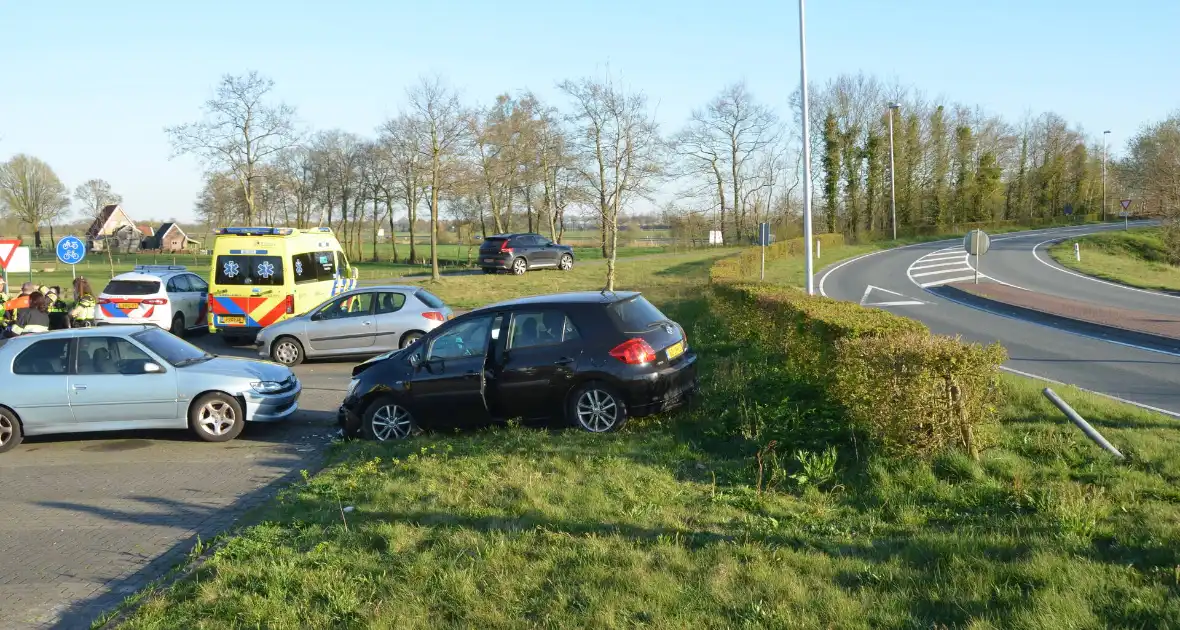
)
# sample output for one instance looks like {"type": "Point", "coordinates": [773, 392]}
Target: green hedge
{"type": "Point", "coordinates": [903, 390]}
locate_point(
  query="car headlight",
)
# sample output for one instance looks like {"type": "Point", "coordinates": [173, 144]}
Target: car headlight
{"type": "Point", "coordinates": [352, 386]}
{"type": "Point", "coordinates": [266, 387]}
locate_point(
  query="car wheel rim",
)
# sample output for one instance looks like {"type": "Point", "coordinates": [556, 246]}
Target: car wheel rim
{"type": "Point", "coordinates": [391, 422]}
{"type": "Point", "coordinates": [177, 326]}
{"type": "Point", "coordinates": [518, 267]}
{"type": "Point", "coordinates": [409, 340]}
{"type": "Point", "coordinates": [5, 430]}
{"type": "Point", "coordinates": [286, 352]}
{"type": "Point", "coordinates": [217, 418]}
{"type": "Point", "coordinates": [597, 411]}
{"type": "Point", "coordinates": [566, 263]}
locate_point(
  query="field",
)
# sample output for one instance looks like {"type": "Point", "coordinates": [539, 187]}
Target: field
{"type": "Point", "coordinates": [1135, 258]}
{"type": "Point", "coordinates": [674, 523]}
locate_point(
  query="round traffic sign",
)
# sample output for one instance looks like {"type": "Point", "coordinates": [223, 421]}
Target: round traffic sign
{"type": "Point", "coordinates": [71, 250]}
{"type": "Point", "coordinates": [976, 242]}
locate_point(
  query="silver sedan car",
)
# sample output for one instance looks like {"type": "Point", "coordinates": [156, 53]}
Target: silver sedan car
{"type": "Point", "coordinates": [133, 377]}
{"type": "Point", "coordinates": [361, 322]}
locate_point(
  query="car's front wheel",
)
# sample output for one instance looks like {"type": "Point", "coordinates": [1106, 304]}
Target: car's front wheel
{"type": "Point", "coordinates": [566, 263]}
{"type": "Point", "coordinates": [10, 431]}
{"type": "Point", "coordinates": [596, 408]}
{"type": "Point", "coordinates": [387, 420]}
{"type": "Point", "coordinates": [216, 417]}
{"type": "Point", "coordinates": [519, 266]}
{"type": "Point", "coordinates": [288, 351]}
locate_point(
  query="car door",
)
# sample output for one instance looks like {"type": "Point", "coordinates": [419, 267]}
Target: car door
{"type": "Point", "coordinates": [548, 251]}
{"type": "Point", "coordinates": [343, 325]}
{"type": "Point", "coordinates": [106, 389]}
{"type": "Point", "coordinates": [179, 298]}
{"type": "Point", "coordinates": [200, 291]}
{"type": "Point", "coordinates": [390, 319]}
{"type": "Point", "coordinates": [537, 365]}
{"type": "Point", "coordinates": [533, 252]}
{"type": "Point", "coordinates": [449, 372]}
{"type": "Point", "coordinates": [38, 390]}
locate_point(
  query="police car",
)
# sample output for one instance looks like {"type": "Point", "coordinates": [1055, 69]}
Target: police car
{"type": "Point", "coordinates": [168, 296]}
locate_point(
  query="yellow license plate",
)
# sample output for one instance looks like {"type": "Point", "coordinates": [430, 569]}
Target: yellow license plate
{"type": "Point", "coordinates": [675, 349]}
{"type": "Point", "coordinates": [124, 306]}
{"type": "Point", "coordinates": [231, 320]}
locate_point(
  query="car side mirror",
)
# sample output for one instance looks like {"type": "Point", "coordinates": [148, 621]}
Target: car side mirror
{"type": "Point", "coordinates": [355, 273]}
{"type": "Point", "coordinates": [152, 368]}
{"type": "Point", "coordinates": [415, 359]}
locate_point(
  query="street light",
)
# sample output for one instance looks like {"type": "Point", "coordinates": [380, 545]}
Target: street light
{"type": "Point", "coordinates": [806, 153]}
{"type": "Point", "coordinates": [892, 181]}
{"type": "Point", "coordinates": [1104, 135]}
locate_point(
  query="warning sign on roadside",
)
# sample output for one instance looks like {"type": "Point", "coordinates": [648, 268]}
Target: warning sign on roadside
{"type": "Point", "coordinates": [7, 249]}
{"type": "Point", "coordinates": [1126, 203]}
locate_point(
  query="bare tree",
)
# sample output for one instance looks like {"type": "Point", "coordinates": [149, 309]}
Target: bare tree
{"type": "Point", "coordinates": [444, 127]}
{"type": "Point", "coordinates": [1153, 170]}
{"type": "Point", "coordinates": [619, 143]}
{"type": "Point", "coordinates": [401, 139]}
{"type": "Point", "coordinates": [94, 195]}
{"type": "Point", "coordinates": [240, 132]}
{"type": "Point", "coordinates": [31, 193]}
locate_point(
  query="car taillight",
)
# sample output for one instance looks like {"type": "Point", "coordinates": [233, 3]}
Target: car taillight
{"type": "Point", "coordinates": [155, 301]}
{"type": "Point", "coordinates": [435, 315]}
{"type": "Point", "coordinates": [504, 248]}
{"type": "Point", "coordinates": [634, 352]}
{"type": "Point", "coordinates": [290, 304]}
{"type": "Point", "coordinates": [104, 300]}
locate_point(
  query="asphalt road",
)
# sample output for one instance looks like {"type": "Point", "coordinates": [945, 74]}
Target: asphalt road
{"type": "Point", "coordinates": [87, 519]}
{"type": "Point", "coordinates": [904, 281]}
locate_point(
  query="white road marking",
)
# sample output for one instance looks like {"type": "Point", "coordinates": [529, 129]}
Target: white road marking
{"type": "Point", "coordinates": [915, 266]}
{"type": "Point", "coordinates": [1090, 391]}
{"type": "Point", "coordinates": [931, 258]}
{"type": "Point", "coordinates": [925, 285]}
{"type": "Point", "coordinates": [940, 272]}
{"type": "Point", "coordinates": [1082, 275]}
{"type": "Point", "coordinates": [906, 302]}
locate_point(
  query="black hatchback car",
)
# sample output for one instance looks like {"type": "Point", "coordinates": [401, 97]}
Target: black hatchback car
{"type": "Point", "coordinates": [592, 359]}
{"type": "Point", "coordinates": [519, 253]}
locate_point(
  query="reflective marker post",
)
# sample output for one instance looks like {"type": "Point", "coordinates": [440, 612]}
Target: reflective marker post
{"type": "Point", "coordinates": [763, 240]}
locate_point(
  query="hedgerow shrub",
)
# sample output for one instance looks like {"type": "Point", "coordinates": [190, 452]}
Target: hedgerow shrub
{"type": "Point", "coordinates": [914, 394]}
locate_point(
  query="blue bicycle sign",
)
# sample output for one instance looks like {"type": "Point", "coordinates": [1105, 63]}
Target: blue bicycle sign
{"type": "Point", "coordinates": [71, 250]}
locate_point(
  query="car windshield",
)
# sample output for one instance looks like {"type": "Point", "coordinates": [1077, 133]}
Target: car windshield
{"type": "Point", "coordinates": [176, 351]}
{"type": "Point", "coordinates": [636, 314]}
{"type": "Point", "coordinates": [132, 287]}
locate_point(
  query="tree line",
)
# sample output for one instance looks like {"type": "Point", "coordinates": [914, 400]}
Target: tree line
{"type": "Point", "coordinates": [519, 163]}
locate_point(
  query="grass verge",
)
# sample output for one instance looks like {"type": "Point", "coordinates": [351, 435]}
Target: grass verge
{"type": "Point", "coordinates": [1135, 258]}
{"type": "Point", "coordinates": [694, 519]}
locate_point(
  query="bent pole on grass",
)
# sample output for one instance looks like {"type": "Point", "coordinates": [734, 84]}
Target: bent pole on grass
{"type": "Point", "coordinates": [1090, 431]}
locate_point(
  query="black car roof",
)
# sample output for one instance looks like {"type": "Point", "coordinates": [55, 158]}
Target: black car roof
{"type": "Point", "coordinates": [579, 297]}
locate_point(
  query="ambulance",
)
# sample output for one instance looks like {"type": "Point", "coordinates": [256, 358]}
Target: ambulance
{"type": "Point", "coordinates": [261, 275]}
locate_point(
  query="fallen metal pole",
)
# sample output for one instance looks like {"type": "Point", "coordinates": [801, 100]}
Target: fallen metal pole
{"type": "Point", "coordinates": [1090, 431]}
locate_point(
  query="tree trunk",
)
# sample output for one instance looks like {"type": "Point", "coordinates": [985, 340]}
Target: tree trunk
{"type": "Point", "coordinates": [413, 212]}
{"type": "Point", "coordinates": [614, 248]}
{"type": "Point", "coordinates": [392, 230]}
{"type": "Point", "coordinates": [434, 275]}
{"type": "Point", "coordinates": [528, 205]}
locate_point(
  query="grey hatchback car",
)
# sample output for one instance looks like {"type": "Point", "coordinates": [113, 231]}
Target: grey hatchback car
{"type": "Point", "coordinates": [361, 322]}
{"type": "Point", "coordinates": [133, 377]}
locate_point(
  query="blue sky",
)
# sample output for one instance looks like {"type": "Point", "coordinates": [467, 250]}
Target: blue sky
{"type": "Point", "coordinates": [89, 86]}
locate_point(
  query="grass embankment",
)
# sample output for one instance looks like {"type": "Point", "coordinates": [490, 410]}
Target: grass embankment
{"type": "Point", "coordinates": [1137, 258]}
{"type": "Point", "coordinates": [676, 522]}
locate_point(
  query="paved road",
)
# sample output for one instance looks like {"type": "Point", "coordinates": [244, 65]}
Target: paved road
{"type": "Point", "coordinates": [904, 281]}
{"type": "Point", "coordinates": [86, 520]}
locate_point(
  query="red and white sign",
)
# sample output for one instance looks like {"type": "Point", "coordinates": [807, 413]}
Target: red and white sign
{"type": "Point", "coordinates": [1126, 203]}
{"type": "Point", "coordinates": [7, 249]}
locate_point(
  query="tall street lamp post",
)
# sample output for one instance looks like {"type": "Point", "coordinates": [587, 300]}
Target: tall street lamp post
{"type": "Point", "coordinates": [892, 180]}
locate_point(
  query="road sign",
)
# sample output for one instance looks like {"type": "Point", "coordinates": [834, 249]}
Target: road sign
{"type": "Point", "coordinates": [1068, 209]}
{"type": "Point", "coordinates": [1124, 214]}
{"type": "Point", "coordinates": [71, 250]}
{"type": "Point", "coordinates": [977, 243]}
{"type": "Point", "coordinates": [19, 261]}
{"type": "Point", "coordinates": [7, 249]}
{"type": "Point", "coordinates": [1126, 203]}
{"type": "Point", "coordinates": [764, 234]}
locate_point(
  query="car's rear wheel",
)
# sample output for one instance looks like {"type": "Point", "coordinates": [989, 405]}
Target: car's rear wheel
{"type": "Point", "coordinates": [288, 351]}
{"type": "Point", "coordinates": [216, 417]}
{"type": "Point", "coordinates": [177, 325]}
{"type": "Point", "coordinates": [566, 263]}
{"type": "Point", "coordinates": [10, 431]}
{"type": "Point", "coordinates": [519, 266]}
{"type": "Point", "coordinates": [596, 407]}
{"type": "Point", "coordinates": [387, 420]}
{"type": "Point", "coordinates": [409, 338]}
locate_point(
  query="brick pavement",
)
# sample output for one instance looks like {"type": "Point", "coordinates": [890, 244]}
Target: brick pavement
{"type": "Point", "coordinates": [87, 520]}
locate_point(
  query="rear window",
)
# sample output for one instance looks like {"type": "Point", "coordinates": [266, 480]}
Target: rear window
{"type": "Point", "coordinates": [254, 270]}
{"type": "Point", "coordinates": [635, 314]}
{"type": "Point", "coordinates": [493, 243]}
{"type": "Point", "coordinates": [132, 287]}
{"type": "Point", "coordinates": [429, 299]}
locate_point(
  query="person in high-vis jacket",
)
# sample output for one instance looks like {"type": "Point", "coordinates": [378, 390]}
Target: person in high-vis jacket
{"type": "Point", "coordinates": [59, 311]}
{"type": "Point", "coordinates": [34, 318]}
{"type": "Point", "coordinates": [82, 313]}
{"type": "Point", "coordinates": [12, 307]}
